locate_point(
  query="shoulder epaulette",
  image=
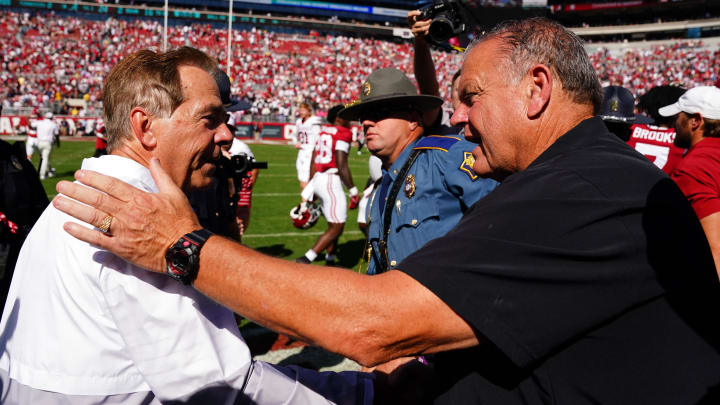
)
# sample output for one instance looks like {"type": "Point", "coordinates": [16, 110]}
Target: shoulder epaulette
{"type": "Point", "coordinates": [440, 142]}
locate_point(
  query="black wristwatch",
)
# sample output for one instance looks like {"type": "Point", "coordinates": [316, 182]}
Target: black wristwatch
{"type": "Point", "coordinates": [183, 258]}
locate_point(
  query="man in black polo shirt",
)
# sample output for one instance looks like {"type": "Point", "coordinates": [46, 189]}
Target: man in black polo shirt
{"type": "Point", "coordinates": [581, 268]}
{"type": "Point", "coordinates": [584, 278]}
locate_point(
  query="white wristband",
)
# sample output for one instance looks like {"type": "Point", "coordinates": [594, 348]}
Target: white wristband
{"type": "Point", "coordinates": [353, 192]}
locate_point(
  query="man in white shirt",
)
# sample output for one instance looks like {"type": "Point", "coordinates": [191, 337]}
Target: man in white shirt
{"type": "Point", "coordinates": [46, 129]}
{"type": "Point", "coordinates": [82, 326]}
{"type": "Point", "coordinates": [308, 131]}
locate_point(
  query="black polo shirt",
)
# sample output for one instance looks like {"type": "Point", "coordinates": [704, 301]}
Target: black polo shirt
{"type": "Point", "coordinates": [591, 278]}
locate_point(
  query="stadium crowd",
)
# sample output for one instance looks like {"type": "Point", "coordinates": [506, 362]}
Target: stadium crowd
{"type": "Point", "coordinates": [686, 64]}
{"type": "Point", "coordinates": [48, 59]}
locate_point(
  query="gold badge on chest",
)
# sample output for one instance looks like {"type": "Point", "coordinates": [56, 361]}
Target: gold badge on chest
{"type": "Point", "coordinates": [409, 187]}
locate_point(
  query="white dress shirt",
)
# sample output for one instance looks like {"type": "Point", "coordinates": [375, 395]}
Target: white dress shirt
{"type": "Point", "coordinates": [81, 321]}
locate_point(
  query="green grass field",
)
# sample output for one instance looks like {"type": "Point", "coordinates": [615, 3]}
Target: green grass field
{"type": "Point", "coordinates": [275, 193]}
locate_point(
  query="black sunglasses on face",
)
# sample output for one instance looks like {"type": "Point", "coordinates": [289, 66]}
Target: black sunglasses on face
{"type": "Point", "coordinates": [380, 113]}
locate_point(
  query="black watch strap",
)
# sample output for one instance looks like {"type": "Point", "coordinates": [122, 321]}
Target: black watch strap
{"type": "Point", "coordinates": [182, 259]}
{"type": "Point", "coordinates": [199, 237]}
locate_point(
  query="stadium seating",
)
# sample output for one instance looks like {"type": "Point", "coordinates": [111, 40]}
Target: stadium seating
{"type": "Point", "coordinates": [48, 59]}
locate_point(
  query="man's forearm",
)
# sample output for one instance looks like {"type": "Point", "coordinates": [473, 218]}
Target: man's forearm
{"type": "Point", "coordinates": [343, 169]}
{"type": "Point", "coordinates": [425, 68]}
{"type": "Point", "coordinates": [368, 319]}
{"type": "Point", "coordinates": [346, 177]}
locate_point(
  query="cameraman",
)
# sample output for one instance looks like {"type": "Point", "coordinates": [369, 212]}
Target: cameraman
{"type": "Point", "coordinates": [244, 195]}
{"type": "Point", "coordinates": [425, 73]}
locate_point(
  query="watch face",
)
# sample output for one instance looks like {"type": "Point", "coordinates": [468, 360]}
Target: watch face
{"type": "Point", "coordinates": [180, 260]}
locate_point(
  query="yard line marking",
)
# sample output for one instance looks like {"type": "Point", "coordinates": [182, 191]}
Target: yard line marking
{"type": "Point", "coordinates": [278, 235]}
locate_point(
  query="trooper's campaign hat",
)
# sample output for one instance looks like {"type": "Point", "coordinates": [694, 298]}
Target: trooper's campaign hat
{"type": "Point", "coordinates": [618, 105]}
{"type": "Point", "coordinates": [388, 87]}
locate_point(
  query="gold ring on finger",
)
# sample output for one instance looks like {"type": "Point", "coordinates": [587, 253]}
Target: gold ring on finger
{"type": "Point", "coordinates": [105, 225]}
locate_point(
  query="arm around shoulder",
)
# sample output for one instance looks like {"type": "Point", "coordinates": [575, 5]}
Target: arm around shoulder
{"type": "Point", "coordinates": [370, 319]}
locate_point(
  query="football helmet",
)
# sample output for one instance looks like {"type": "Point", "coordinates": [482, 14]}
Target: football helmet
{"type": "Point", "coordinates": [304, 215]}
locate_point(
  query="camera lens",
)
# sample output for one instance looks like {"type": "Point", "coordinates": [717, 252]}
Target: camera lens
{"type": "Point", "coordinates": [441, 29]}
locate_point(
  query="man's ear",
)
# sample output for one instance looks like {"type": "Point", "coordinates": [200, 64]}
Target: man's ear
{"type": "Point", "coordinates": [142, 128]}
{"type": "Point", "coordinates": [695, 121]}
{"type": "Point", "coordinates": [540, 88]}
{"type": "Point", "coordinates": [415, 120]}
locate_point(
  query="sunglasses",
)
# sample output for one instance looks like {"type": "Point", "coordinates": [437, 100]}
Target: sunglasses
{"type": "Point", "coordinates": [380, 113]}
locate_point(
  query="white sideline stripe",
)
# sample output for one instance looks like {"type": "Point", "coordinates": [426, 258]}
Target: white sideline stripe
{"type": "Point", "coordinates": [275, 164]}
{"type": "Point", "coordinates": [276, 194]}
{"type": "Point", "coordinates": [278, 235]}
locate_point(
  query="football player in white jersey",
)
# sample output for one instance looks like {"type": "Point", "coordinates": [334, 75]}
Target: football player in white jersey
{"type": "Point", "coordinates": [308, 131]}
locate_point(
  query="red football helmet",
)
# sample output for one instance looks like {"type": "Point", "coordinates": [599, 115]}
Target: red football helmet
{"type": "Point", "coordinates": [354, 202]}
{"type": "Point", "coordinates": [304, 216]}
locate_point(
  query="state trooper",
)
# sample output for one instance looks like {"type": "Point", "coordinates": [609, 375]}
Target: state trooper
{"type": "Point", "coordinates": [428, 181]}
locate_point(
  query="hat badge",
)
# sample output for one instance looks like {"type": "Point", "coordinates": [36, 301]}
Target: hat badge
{"type": "Point", "coordinates": [366, 89]}
{"type": "Point", "coordinates": [614, 106]}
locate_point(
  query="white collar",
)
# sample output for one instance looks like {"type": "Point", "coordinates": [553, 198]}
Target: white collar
{"type": "Point", "coordinates": [124, 169]}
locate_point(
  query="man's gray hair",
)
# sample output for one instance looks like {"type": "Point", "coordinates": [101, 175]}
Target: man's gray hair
{"type": "Point", "coordinates": [542, 41]}
{"type": "Point", "coordinates": [150, 80]}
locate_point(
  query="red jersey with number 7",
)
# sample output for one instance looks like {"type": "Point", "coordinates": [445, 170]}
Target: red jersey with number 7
{"type": "Point", "coordinates": [656, 143]}
{"type": "Point", "coordinates": [331, 139]}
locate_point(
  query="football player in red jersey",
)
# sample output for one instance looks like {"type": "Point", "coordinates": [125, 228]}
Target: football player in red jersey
{"type": "Point", "coordinates": [655, 141]}
{"type": "Point", "coordinates": [331, 169]}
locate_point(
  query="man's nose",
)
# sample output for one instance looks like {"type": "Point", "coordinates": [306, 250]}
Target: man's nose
{"type": "Point", "coordinates": [459, 117]}
{"type": "Point", "coordinates": [223, 135]}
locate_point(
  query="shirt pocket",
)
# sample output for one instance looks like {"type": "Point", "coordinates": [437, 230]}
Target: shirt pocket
{"type": "Point", "coordinates": [415, 213]}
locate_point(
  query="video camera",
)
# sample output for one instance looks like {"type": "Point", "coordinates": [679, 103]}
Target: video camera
{"type": "Point", "coordinates": [447, 20]}
{"type": "Point", "coordinates": [237, 168]}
